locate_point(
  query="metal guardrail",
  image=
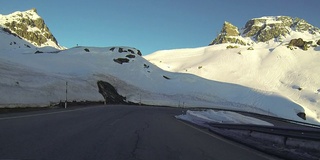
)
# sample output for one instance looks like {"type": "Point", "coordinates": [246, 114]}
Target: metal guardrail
{"type": "Point", "coordinates": [310, 133]}
{"type": "Point", "coordinates": [261, 115]}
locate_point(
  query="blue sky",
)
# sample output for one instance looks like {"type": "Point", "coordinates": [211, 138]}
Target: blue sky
{"type": "Point", "coordinates": [151, 25]}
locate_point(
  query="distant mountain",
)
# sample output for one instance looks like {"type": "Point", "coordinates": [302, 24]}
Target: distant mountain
{"type": "Point", "coordinates": [264, 29]}
{"type": "Point", "coordinates": [28, 26]}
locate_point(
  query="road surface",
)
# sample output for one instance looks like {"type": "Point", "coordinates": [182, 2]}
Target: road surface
{"type": "Point", "coordinates": [117, 132]}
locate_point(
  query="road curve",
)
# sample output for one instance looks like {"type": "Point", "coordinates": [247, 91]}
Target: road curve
{"type": "Point", "coordinates": [117, 132]}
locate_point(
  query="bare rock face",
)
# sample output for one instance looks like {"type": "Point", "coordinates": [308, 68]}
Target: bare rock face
{"type": "Point", "coordinates": [304, 45]}
{"type": "Point", "coordinates": [228, 34]}
{"type": "Point", "coordinates": [302, 115]}
{"type": "Point", "coordinates": [31, 27]}
{"type": "Point", "coordinates": [264, 29]}
{"type": "Point", "coordinates": [121, 60]}
{"type": "Point", "coordinates": [229, 30]}
{"type": "Point", "coordinates": [110, 94]}
{"type": "Point", "coordinates": [299, 43]}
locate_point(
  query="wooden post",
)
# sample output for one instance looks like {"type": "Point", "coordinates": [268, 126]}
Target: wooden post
{"type": "Point", "coordinates": [66, 101]}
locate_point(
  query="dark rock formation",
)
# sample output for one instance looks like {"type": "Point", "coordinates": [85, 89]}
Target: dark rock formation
{"type": "Point", "coordinates": [139, 52]}
{"type": "Point", "coordinates": [299, 43]}
{"type": "Point", "coordinates": [318, 43]}
{"type": "Point", "coordinates": [302, 115]}
{"type": "Point", "coordinates": [126, 49]}
{"type": "Point", "coordinates": [38, 52]}
{"type": "Point", "coordinates": [146, 66]}
{"type": "Point", "coordinates": [165, 77]}
{"type": "Point", "coordinates": [121, 60]}
{"type": "Point", "coordinates": [87, 50]}
{"type": "Point", "coordinates": [110, 94]}
{"type": "Point", "coordinates": [130, 56]}
{"type": "Point", "coordinates": [131, 51]}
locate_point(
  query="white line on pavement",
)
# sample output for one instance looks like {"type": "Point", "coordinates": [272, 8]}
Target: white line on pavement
{"type": "Point", "coordinates": [42, 114]}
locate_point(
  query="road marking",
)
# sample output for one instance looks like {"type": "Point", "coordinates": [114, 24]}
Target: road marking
{"type": "Point", "coordinates": [114, 122]}
{"type": "Point", "coordinates": [43, 114]}
{"type": "Point", "coordinates": [232, 142]}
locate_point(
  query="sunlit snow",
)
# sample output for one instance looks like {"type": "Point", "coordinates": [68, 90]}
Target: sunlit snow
{"type": "Point", "coordinates": [289, 77]}
{"type": "Point", "coordinates": [222, 117]}
{"type": "Point", "coordinates": [271, 79]}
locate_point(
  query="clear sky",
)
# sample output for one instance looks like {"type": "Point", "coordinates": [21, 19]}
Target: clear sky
{"type": "Point", "coordinates": [152, 25]}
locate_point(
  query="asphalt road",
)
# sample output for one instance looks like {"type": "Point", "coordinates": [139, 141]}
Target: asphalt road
{"type": "Point", "coordinates": [113, 132]}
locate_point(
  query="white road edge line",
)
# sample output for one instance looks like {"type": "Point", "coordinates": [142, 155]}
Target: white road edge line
{"type": "Point", "coordinates": [114, 122]}
{"type": "Point", "coordinates": [43, 114]}
{"type": "Point", "coordinates": [233, 143]}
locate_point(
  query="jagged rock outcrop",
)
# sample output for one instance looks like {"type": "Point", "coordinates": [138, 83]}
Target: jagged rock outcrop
{"type": "Point", "coordinates": [228, 33]}
{"type": "Point", "coordinates": [302, 115]}
{"type": "Point", "coordinates": [110, 94]}
{"type": "Point", "coordinates": [121, 60]}
{"type": "Point", "coordinates": [126, 49]}
{"type": "Point", "coordinates": [30, 26]}
{"type": "Point", "coordinates": [264, 29]}
{"type": "Point", "coordinates": [130, 54]}
{"type": "Point", "coordinates": [304, 45]}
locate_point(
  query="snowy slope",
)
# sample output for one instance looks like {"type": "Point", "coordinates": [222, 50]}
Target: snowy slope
{"type": "Point", "coordinates": [38, 79]}
{"type": "Point", "coordinates": [220, 78]}
{"type": "Point", "coordinates": [270, 69]}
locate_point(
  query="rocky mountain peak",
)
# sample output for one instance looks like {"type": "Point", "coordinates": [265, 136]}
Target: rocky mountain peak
{"type": "Point", "coordinates": [29, 26]}
{"type": "Point", "coordinates": [227, 34]}
{"type": "Point", "coordinates": [266, 28]}
{"type": "Point", "coordinates": [229, 29]}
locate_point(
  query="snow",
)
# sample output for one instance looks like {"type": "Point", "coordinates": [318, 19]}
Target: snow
{"type": "Point", "coordinates": [265, 80]}
{"type": "Point", "coordinates": [223, 117]}
{"type": "Point", "coordinates": [268, 20]}
{"type": "Point", "coordinates": [271, 69]}
{"type": "Point", "coordinates": [39, 79]}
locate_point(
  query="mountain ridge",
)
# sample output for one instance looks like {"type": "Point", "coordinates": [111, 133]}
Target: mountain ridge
{"type": "Point", "coordinates": [287, 63]}
{"type": "Point", "coordinates": [28, 25]}
{"type": "Point", "coordinates": [264, 29]}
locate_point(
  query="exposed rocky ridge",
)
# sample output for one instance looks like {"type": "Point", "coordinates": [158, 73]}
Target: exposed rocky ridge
{"type": "Point", "coordinates": [264, 29]}
{"type": "Point", "coordinates": [30, 26]}
{"type": "Point", "coordinates": [299, 43]}
{"type": "Point", "coordinates": [228, 34]}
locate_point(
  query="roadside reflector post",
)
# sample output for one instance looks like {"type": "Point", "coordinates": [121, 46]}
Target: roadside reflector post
{"type": "Point", "coordinates": [66, 101]}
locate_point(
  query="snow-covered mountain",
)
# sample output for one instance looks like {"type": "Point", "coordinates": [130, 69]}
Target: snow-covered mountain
{"type": "Point", "coordinates": [265, 29]}
{"type": "Point", "coordinates": [28, 26]}
{"type": "Point", "coordinates": [275, 67]}
{"type": "Point", "coordinates": [30, 79]}
{"type": "Point", "coordinates": [238, 79]}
